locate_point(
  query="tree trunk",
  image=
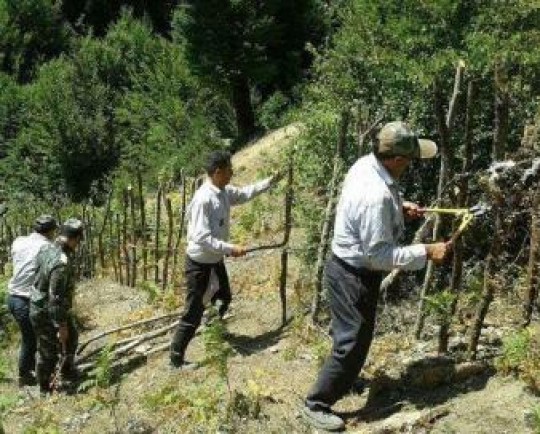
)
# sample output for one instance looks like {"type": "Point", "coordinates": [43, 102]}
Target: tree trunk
{"type": "Point", "coordinates": [329, 215]}
{"type": "Point", "coordinates": [457, 261]}
{"type": "Point", "coordinates": [243, 108]}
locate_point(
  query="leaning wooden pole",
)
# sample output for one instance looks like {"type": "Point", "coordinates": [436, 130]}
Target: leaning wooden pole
{"type": "Point", "coordinates": [462, 199]}
{"type": "Point", "coordinates": [329, 215]}
{"type": "Point", "coordinates": [285, 251]}
{"type": "Point", "coordinates": [444, 126]}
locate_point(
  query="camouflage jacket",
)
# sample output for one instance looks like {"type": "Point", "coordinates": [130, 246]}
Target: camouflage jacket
{"type": "Point", "coordinates": [54, 283]}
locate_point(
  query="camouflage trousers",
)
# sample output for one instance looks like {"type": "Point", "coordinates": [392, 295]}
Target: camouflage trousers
{"type": "Point", "coordinates": [50, 350]}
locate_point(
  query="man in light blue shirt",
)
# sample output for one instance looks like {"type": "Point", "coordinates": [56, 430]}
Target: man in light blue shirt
{"type": "Point", "coordinates": [369, 224]}
{"type": "Point", "coordinates": [208, 243]}
{"type": "Point", "coordinates": [24, 253]}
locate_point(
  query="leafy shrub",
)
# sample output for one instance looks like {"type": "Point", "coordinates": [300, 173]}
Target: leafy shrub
{"type": "Point", "coordinates": [521, 357]}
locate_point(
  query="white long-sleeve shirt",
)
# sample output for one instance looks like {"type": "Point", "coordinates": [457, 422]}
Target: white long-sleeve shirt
{"type": "Point", "coordinates": [208, 217]}
{"type": "Point", "coordinates": [23, 253]}
{"type": "Point", "coordinates": [369, 221]}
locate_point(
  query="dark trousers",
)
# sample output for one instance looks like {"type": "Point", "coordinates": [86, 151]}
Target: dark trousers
{"type": "Point", "coordinates": [197, 278]}
{"type": "Point", "coordinates": [49, 348]}
{"type": "Point", "coordinates": [20, 309]}
{"type": "Point", "coordinates": [352, 297]}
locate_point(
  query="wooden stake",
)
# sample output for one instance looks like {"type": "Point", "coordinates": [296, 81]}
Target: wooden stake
{"type": "Point", "coordinates": [170, 229]}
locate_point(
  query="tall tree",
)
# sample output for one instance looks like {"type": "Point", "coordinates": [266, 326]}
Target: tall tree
{"type": "Point", "coordinates": [31, 32]}
{"type": "Point", "coordinates": [246, 45]}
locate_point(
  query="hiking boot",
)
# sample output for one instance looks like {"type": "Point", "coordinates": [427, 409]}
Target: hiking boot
{"type": "Point", "coordinates": [322, 419]}
{"type": "Point", "coordinates": [28, 379]}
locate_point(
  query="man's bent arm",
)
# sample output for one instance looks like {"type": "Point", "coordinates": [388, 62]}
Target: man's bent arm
{"type": "Point", "coordinates": [381, 250]}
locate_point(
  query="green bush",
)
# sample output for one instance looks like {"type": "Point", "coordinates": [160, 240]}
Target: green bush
{"type": "Point", "coordinates": [521, 357]}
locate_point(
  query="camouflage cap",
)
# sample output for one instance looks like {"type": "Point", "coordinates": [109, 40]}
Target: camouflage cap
{"type": "Point", "coordinates": [397, 139]}
{"type": "Point", "coordinates": [45, 223]}
{"type": "Point", "coordinates": [72, 228]}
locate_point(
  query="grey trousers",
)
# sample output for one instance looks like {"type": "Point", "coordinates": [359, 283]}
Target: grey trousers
{"type": "Point", "coordinates": [352, 296]}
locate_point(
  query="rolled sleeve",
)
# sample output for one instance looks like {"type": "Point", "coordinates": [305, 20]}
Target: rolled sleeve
{"type": "Point", "coordinates": [240, 195]}
{"type": "Point", "coordinates": [381, 251]}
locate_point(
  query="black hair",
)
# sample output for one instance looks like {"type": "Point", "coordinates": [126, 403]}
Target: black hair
{"type": "Point", "coordinates": [217, 160]}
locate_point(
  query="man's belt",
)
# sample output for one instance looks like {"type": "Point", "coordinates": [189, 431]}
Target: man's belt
{"type": "Point", "coordinates": [358, 271]}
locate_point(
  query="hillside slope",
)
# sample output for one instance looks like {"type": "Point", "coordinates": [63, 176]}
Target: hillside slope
{"type": "Point", "coordinates": [271, 368]}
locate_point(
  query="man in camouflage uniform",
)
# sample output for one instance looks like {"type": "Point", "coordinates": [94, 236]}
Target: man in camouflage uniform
{"type": "Point", "coordinates": [51, 302]}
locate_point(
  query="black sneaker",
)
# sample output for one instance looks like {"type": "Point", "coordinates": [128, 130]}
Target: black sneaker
{"type": "Point", "coordinates": [322, 419]}
{"type": "Point", "coordinates": [27, 380]}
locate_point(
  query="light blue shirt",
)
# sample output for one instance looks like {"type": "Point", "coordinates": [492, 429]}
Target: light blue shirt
{"type": "Point", "coordinates": [369, 221]}
{"type": "Point", "coordinates": [209, 217]}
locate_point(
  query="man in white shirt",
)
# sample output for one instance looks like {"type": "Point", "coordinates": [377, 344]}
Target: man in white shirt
{"type": "Point", "coordinates": [207, 236]}
{"type": "Point", "coordinates": [24, 252]}
{"type": "Point", "coordinates": [369, 224]}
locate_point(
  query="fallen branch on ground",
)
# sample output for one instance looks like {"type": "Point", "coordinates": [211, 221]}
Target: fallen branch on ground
{"type": "Point", "coordinates": [83, 345]}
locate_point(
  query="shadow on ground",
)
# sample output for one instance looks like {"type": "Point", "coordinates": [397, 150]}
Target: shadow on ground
{"type": "Point", "coordinates": [388, 396]}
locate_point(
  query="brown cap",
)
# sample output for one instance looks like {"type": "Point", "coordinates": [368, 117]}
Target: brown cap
{"type": "Point", "coordinates": [397, 139]}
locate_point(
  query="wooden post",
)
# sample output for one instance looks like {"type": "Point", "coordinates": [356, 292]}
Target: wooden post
{"type": "Point", "coordinates": [106, 219]}
{"type": "Point", "coordinates": [462, 200]}
{"type": "Point", "coordinates": [119, 248]}
{"type": "Point", "coordinates": [134, 238]}
{"type": "Point", "coordinates": [143, 225]}
{"type": "Point", "coordinates": [329, 215]}
{"type": "Point", "coordinates": [500, 138]}
{"type": "Point", "coordinates": [113, 249]}
{"type": "Point", "coordinates": [444, 125]}
{"type": "Point", "coordinates": [170, 229]}
{"type": "Point", "coordinates": [285, 250]}
{"type": "Point", "coordinates": [125, 237]}
{"type": "Point", "coordinates": [179, 233]}
{"type": "Point", "coordinates": [156, 234]}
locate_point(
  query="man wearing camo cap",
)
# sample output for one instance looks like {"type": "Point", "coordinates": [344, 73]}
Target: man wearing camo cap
{"type": "Point", "coordinates": [23, 253]}
{"type": "Point", "coordinates": [368, 227]}
{"type": "Point", "coordinates": [50, 307]}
